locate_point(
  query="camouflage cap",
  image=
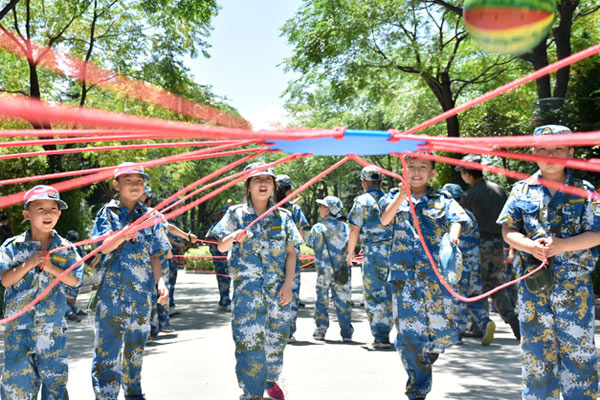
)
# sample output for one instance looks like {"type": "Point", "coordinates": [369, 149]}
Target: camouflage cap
{"type": "Point", "coordinates": [333, 204]}
{"type": "Point", "coordinates": [454, 190]}
{"type": "Point", "coordinates": [284, 180]}
{"type": "Point", "coordinates": [269, 171]}
{"type": "Point", "coordinates": [470, 158]}
{"type": "Point", "coordinates": [43, 192]}
{"type": "Point", "coordinates": [130, 168]}
{"type": "Point", "coordinates": [551, 130]}
{"type": "Point", "coordinates": [370, 173]}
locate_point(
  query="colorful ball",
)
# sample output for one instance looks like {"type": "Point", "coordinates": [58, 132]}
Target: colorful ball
{"type": "Point", "coordinates": [508, 26]}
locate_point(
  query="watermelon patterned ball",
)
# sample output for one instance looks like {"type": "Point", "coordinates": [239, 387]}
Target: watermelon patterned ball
{"type": "Point", "coordinates": [508, 26]}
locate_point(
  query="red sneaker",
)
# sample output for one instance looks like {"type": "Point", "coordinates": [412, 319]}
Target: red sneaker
{"type": "Point", "coordinates": [275, 392]}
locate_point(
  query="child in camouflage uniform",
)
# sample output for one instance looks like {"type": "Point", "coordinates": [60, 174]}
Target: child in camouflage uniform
{"type": "Point", "coordinates": [262, 264]}
{"type": "Point", "coordinates": [471, 283]}
{"type": "Point", "coordinates": [329, 240]}
{"type": "Point", "coordinates": [557, 321]}
{"type": "Point", "coordinates": [284, 188]}
{"type": "Point", "coordinates": [422, 307]}
{"type": "Point", "coordinates": [130, 270]}
{"type": "Point", "coordinates": [221, 270]}
{"type": "Point", "coordinates": [375, 240]}
{"type": "Point", "coordinates": [35, 344]}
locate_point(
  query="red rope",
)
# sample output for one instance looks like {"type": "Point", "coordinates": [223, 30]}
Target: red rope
{"type": "Point", "coordinates": [102, 175]}
{"type": "Point", "coordinates": [297, 191]}
{"type": "Point", "coordinates": [119, 83]}
{"type": "Point", "coordinates": [26, 108]}
{"type": "Point", "coordinates": [525, 141]}
{"type": "Point", "coordinates": [93, 139]}
{"type": "Point", "coordinates": [432, 261]}
{"type": "Point", "coordinates": [512, 174]}
{"type": "Point", "coordinates": [567, 162]}
{"type": "Point", "coordinates": [93, 170]}
{"type": "Point", "coordinates": [74, 150]}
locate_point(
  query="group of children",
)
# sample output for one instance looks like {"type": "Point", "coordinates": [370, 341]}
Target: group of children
{"type": "Point", "coordinates": [556, 319]}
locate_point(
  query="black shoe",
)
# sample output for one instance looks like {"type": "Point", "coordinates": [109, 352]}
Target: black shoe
{"type": "Point", "coordinates": [474, 334]}
{"type": "Point", "coordinates": [514, 325]}
{"type": "Point", "coordinates": [81, 313]}
{"type": "Point", "coordinates": [432, 357]}
{"type": "Point", "coordinates": [73, 317]}
{"type": "Point", "coordinates": [301, 305]}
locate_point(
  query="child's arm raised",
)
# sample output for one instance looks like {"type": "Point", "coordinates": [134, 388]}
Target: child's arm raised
{"type": "Point", "coordinates": [387, 216]}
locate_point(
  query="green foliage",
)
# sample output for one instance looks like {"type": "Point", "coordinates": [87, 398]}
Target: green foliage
{"type": "Point", "coordinates": [199, 259]}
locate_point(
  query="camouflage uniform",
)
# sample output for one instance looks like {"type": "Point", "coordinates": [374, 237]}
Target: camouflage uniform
{"type": "Point", "coordinates": [471, 282]}
{"type": "Point", "coordinates": [422, 307]}
{"type": "Point", "coordinates": [485, 200]}
{"type": "Point", "coordinates": [336, 233]}
{"type": "Point", "coordinates": [35, 345]}
{"type": "Point", "coordinates": [122, 320]}
{"type": "Point", "coordinates": [221, 269]}
{"type": "Point", "coordinates": [260, 324]}
{"type": "Point", "coordinates": [375, 240]}
{"type": "Point", "coordinates": [159, 318]}
{"type": "Point", "coordinates": [557, 327]}
{"type": "Point", "coordinates": [301, 223]}
{"type": "Point", "coordinates": [173, 267]}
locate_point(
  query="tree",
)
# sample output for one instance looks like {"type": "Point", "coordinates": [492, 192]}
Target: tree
{"type": "Point", "coordinates": [347, 42]}
{"type": "Point", "coordinates": [568, 11]}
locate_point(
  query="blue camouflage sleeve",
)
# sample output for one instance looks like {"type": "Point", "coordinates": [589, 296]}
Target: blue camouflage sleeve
{"type": "Point", "coordinates": [455, 212]}
{"type": "Point", "coordinates": [385, 201]}
{"type": "Point", "coordinates": [511, 215]}
{"type": "Point", "coordinates": [357, 214]}
{"type": "Point", "coordinates": [311, 239]}
{"type": "Point", "coordinates": [102, 225]}
{"type": "Point", "coordinates": [591, 217]}
{"type": "Point", "coordinates": [160, 241]}
{"type": "Point", "coordinates": [73, 257]}
{"type": "Point", "coordinates": [300, 219]}
{"type": "Point", "coordinates": [6, 257]}
{"type": "Point", "coordinates": [225, 226]}
{"type": "Point", "coordinates": [293, 235]}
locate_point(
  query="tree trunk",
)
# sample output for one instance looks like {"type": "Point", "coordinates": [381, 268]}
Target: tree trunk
{"type": "Point", "coordinates": [443, 92]}
{"type": "Point", "coordinates": [562, 37]}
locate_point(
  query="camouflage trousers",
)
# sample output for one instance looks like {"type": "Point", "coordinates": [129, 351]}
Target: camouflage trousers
{"type": "Point", "coordinates": [159, 316]}
{"type": "Point", "coordinates": [173, 267]}
{"type": "Point", "coordinates": [557, 341]}
{"type": "Point", "coordinates": [122, 328]}
{"type": "Point", "coordinates": [494, 273]}
{"type": "Point", "coordinates": [32, 358]}
{"type": "Point", "coordinates": [423, 313]}
{"type": "Point", "coordinates": [223, 282]}
{"type": "Point", "coordinates": [295, 299]}
{"type": "Point", "coordinates": [260, 328]}
{"type": "Point", "coordinates": [377, 290]}
{"type": "Point", "coordinates": [342, 299]}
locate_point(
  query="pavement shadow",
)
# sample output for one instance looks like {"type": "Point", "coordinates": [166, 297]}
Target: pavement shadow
{"type": "Point", "coordinates": [498, 365]}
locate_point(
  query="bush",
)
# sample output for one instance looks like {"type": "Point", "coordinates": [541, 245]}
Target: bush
{"type": "Point", "coordinates": [199, 259]}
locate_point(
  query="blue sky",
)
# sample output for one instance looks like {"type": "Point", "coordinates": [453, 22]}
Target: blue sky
{"type": "Point", "coordinates": [246, 49]}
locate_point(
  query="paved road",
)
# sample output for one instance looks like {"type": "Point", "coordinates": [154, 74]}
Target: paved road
{"type": "Point", "coordinates": [197, 362]}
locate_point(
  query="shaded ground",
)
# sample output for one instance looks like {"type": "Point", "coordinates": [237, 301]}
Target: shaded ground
{"type": "Point", "coordinates": [197, 362]}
